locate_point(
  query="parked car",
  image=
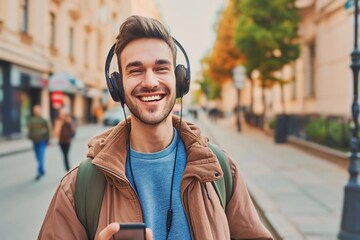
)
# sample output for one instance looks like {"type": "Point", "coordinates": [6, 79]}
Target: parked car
{"type": "Point", "coordinates": [113, 116]}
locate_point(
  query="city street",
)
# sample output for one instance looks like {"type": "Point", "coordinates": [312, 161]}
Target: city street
{"type": "Point", "coordinates": [273, 83]}
{"type": "Point", "coordinates": [23, 201]}
{"type": "Point", "coordinates": [299, 194]}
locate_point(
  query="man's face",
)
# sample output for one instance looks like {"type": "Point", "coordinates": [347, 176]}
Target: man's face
{"type": "Point", "coordinates": [149, 80]}
{"type": "Point", "coordinates": [37, 110]}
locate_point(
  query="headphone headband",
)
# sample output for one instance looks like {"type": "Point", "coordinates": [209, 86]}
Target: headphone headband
{"type": "Point", "coordinates": [112, 52]}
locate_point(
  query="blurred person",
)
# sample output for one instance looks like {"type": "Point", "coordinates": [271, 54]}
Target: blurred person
{"type": "Point", "coordinates": [158, 169]}
{"type": "Point", "coordinates": [64, 132]}
{"type": "Point", "coordinates": [39, 133]}
{"type": "Point", "coordinates": [99, 114]}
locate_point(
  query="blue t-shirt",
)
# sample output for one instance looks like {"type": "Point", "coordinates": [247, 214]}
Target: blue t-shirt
{"type": "Point", "coordinates": [153, 173]}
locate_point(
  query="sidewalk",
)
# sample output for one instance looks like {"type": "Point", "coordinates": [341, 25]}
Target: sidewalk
{"type": "Point", "coordinates": [301, 195]}
{"type": "Point", "coordinates": [8, 147]}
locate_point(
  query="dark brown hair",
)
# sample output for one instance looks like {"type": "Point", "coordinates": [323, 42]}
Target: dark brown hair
{"type": "Point", "coordinates": [137, 27]}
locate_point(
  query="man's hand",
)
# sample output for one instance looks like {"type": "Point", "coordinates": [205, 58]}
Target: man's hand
{"type": "Point", "coordinates": [111, 229]}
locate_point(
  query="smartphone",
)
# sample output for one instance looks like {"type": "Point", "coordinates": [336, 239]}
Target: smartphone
{"type": "Point", "coordinates": [130, 231]}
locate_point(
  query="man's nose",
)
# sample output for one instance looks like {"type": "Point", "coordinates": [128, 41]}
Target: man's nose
{"type": "Point", "coordinates": [150, 80]}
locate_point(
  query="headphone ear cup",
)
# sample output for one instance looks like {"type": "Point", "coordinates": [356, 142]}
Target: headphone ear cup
{"type": "Point", "coordinates": [115, 87]}
{"type": "Point", "coordinates": [182, 83]}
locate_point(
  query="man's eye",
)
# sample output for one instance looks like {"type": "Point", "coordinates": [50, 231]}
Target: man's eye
{"type": "Point", "coordinates": [135, 71]}
{"type": "Point", "coordinates": [162, 69]}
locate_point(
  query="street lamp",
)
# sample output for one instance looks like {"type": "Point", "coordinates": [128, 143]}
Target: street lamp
{"type": "Point", "coordinates": [239, 79]}
{"type": "Point", "coordinates": [350, 222]}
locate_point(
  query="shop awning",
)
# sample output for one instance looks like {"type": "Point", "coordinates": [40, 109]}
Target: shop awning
{"type": "Point", "coordinates": [65, 82]}
{"type": "Point", "coordinates": [93, 92]}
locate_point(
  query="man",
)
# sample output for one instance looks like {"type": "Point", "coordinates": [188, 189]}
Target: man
{"type": "Point", "coordinates": [154, 162]}
{"type": "Point", "coordinates": [38, 133]}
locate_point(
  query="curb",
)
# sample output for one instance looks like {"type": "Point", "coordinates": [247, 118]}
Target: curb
{"type": "Point", "coordinates": [326, 153]}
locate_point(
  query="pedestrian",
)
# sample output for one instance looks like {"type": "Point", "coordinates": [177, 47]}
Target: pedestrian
{"type": "Point", "coordinates": [158, 168]}
{"type": "Point", "coordinates": [38, 133]}
{"type": "Point", "coordinates": [64, 132]}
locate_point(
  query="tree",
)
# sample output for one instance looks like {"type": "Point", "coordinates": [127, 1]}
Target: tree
{"type": "Point", "coordinates": [211, 88]}
{"type": "Point", "coordinates": [224, 55]}
{"type": "Point", "coordinates": [266, 33]}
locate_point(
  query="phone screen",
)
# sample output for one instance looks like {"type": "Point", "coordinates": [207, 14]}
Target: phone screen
{"type": "Point", "coordinates": [130, 231]}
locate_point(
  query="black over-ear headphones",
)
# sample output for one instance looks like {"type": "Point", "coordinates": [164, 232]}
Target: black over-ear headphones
{"type": "Point", "coordinates": [116, 88]}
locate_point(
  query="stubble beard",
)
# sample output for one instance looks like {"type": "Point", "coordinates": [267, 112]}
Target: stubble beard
{"type": "Point", "coordinates": [144, 117]}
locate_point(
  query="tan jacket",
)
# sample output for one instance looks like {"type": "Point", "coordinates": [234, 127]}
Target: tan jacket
{"type": "Point", "coordinates": [203, 209]}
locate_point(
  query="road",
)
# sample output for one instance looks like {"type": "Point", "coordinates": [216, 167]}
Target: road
{"type": "Point", "coordinates": [24, 201]}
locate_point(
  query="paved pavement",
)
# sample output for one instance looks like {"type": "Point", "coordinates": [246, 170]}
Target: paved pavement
{"type": "Point", "coordinates": [301, 195]}
{"type": "Point", "coordinates": [23, 144]}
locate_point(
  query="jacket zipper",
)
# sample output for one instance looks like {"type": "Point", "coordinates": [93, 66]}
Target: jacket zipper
{"type": "Point", "coordinates": [127, 181]}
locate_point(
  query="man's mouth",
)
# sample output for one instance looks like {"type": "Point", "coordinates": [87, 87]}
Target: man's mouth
{"type": "Point", "coordinates": [152, 98]}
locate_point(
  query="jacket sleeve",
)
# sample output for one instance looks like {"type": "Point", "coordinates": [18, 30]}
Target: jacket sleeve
{"type": "Point", "coordinates": [244, 221]}
{"type": "Point", "coordinates": [61, 221]}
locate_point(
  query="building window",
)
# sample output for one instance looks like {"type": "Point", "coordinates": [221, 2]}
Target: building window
{"type": "Point", "coordinates": [71, 42]}
{"type": "Point", "coordinates": [311, 78]}
{"type": "Point", "coordinates": [99, 51]}
{"type": "Point", "coordinates": [24, 15]}
{"type": "Point", "coordinates": [52, 30]}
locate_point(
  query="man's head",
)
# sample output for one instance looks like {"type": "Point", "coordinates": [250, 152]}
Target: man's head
{"type": "Point", "coordinates": [37, 110]}
{"type": "Point", "coordinates": [146, 56]}
{"type": "Point", "coordinates": [137, 27]}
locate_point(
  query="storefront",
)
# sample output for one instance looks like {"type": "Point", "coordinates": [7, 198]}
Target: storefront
{"type": "Point", "coordinates": [93, 107]}
{"type": "Point", "coordinates": [21, 89]}
{"type": "Point", "coordinates": [66, 92]}
{"type": "Point", "coordinates": [2, 73]}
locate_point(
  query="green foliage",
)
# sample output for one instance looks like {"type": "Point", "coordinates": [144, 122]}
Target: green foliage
{"type": "Point", "coordinates": [272, 123]}
{"type": "Point", "coordinates": [338, 132]}
{"type": "Point", "coordinates": [266, 33]}
{"type": "Point", "coordinates": [210, 88]}
{"type": "Point", "coordinates": [316, 130]}
{"type": "Point", "coordinates": [333, 133]}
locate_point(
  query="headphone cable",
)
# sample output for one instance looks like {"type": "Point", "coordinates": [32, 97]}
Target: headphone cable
{"type": "Point", "coordinates": [170, 211]}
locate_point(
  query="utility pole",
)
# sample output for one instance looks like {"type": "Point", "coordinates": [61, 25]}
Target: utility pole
{"type": "Point", "coordinates": [350, 222]}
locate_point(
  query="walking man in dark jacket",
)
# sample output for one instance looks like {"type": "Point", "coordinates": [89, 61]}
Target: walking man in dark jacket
{"type": "Point", "coordinates": [38, 133]}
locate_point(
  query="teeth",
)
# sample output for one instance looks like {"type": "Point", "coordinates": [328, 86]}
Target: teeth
{"type": "Point", "coordinates": [151, 98]}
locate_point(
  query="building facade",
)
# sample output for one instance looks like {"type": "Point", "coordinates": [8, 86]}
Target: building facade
{"type": "Point", "coordinates": [323, 82]}
{"type": "Point", "coordinates": [52, 53]}
{"type": "Point", "coordinates": [320, 80]}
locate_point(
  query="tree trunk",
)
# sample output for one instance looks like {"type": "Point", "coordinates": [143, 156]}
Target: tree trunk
{"type": "Point", "coordinates": [251, 95]}
{"type": "Point", "coordinates": [264, 105]}
{"type": "Point", "coordinates": [282, 98]}
{"type": "Point", "coordinates": [251, 110]}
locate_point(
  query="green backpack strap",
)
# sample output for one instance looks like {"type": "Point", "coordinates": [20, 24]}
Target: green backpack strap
{"type": "Point", "coordinates": [90, 186]}
{"type": "Point", "coordinates": [89, 192]}
{"type": "Point", "coordinates": [224, 185]}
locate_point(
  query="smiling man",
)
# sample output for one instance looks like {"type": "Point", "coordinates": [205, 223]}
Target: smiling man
{"type": "Point", "coordinates": [158, 169]}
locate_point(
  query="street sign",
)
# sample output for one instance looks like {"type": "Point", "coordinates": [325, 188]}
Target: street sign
{"type": "Point", "coordinates": [239, 76]}
{"type": "Point", "coordinates": [57, 99]}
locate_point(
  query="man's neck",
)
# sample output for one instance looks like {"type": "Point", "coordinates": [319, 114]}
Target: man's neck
{"type": "Point", "coordinates": [148, 139]}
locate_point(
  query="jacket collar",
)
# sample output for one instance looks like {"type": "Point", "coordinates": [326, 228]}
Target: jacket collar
{"type": "Point", "coordinates": [109, 151]}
